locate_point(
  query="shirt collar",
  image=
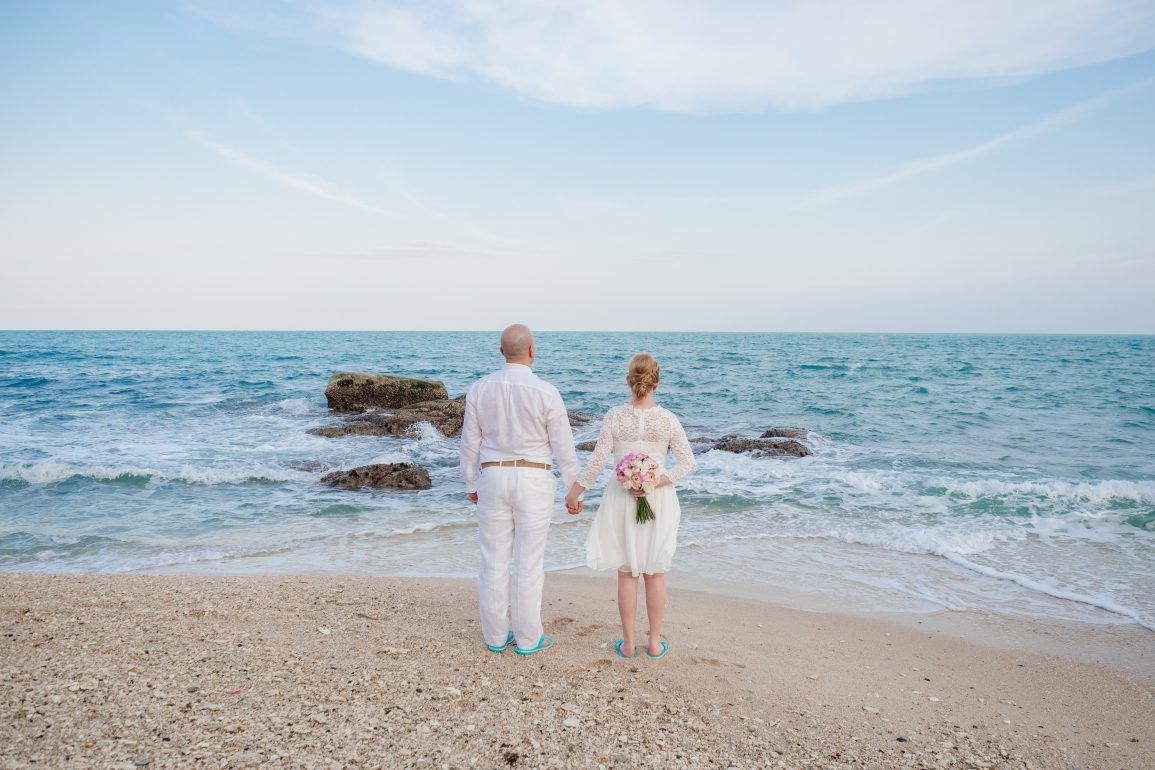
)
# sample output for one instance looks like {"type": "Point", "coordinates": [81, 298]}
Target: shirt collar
{"type": "Point", "coordinates": [516, 367]}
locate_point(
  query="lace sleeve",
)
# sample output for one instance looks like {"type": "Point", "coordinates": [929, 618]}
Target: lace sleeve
{"type": "Point", "coordinates": [602, 453]}
{"type": "Point", "coordinates": [683, 453]}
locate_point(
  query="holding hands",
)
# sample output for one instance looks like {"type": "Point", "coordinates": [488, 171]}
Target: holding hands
{"type": "Point", "coordinates": [573, 500]}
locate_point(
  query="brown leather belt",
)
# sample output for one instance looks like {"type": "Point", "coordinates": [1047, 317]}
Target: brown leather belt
{"type": "Point", "coordinates": [517, 464]}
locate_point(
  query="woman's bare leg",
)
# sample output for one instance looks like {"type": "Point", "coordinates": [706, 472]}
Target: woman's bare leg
{"type": "Point", "coordinates": [656, 609]}
{"type": "Point", "coordinates": [628, 608]}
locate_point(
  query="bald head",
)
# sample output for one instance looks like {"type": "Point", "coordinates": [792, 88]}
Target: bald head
{"type": "Point", "coordinates": [517, 344]}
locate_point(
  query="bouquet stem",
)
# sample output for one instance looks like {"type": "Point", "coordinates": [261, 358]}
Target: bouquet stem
{"type": "Point", "coordinates": [644, 512]}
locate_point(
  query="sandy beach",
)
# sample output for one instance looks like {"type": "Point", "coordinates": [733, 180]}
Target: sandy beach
{"type": "Point", "coordinates": [325, 671]}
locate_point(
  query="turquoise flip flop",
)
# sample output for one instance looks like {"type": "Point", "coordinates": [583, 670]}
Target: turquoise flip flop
{"type": "Point", "coordinates": [660, 655]}
{"type": "Point", "coordinates": [618, 650]}
{"type": "Point", "coordinates": [545, 644]}
{"type": "Point", "coordinates": [501, 647]}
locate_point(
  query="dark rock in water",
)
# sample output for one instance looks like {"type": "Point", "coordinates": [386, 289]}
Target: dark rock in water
{"type": "Point", "coordinates": [370, 424]}
{"type": "Point", "coordinates": [789, 448]}
{"type": "Point", "coordinates": [785, 433]}
{"type": "Point", "coordinates": [737, 444]}
{"type": "Point", "coordinates": [701, 444]}
{"type": "Point", "coordinates": [586, 446]}
{"type": "Point", "coordinates": [380, 476]}
{"type": "Point", "coordinates": [446, 415]}
{"type": "Point", "coordinates": [357, 391]}
{"type": "Point", "coordinates": [762, 447]}
{"type": "Point", "coordinates": [309, 466]}
{"type": "Point", "coordinates": [577, 419]}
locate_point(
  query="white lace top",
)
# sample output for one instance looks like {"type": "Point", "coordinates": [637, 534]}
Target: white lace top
{"type": "Point", "coordinates": [655, 431]}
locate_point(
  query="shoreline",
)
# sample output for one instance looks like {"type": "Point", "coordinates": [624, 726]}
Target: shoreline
{"type": "Point", "coordinates": [344, 671]}
{"type": "Point", "coordinates": [1001, 610]}
{"type": "Point", "coordinates": [1126, 646]}
{"type": "Point", "coordinates": [1116, 641]}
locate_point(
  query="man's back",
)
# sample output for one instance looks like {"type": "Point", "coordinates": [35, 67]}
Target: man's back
{"type": "Point", "coordinates": [512, 414]}
{"type": "Point", "coordinates": [513, 405]}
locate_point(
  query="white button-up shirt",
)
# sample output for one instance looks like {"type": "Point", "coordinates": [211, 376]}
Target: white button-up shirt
{"type": "Point", "coordinates": [512, 414]}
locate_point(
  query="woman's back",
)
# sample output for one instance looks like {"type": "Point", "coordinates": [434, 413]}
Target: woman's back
{"type": "Point", "coordinates": [655, 431]}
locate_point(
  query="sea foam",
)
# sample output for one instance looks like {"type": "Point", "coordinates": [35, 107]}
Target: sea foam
{"type": "Point", "coordinates": [50, 472]}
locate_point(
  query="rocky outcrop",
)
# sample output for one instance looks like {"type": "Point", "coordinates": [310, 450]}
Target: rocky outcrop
{"type": "Point", "coordinates": [380, 476]}
{"type": "Point", "coordinates": [388, 405]}
{"type": "Point", "coordinates": [762, 447]}
{"type": "Point", "coordinates": [357, 391]}
{"type": "Point", "coordinates": [772, 444]}
{"type": "Point", "coordinates": [446, 415]}
{"type": "Point", "coordinates": [578, 419]}
{"type": "Point", "coordinates": [785, 433]}
{"type": "Point", "coordinates": [701, 444]}
{"type": "Point", "coordinates": [368, 424]}
{"type": "Point", "coordinates": [309, 466]}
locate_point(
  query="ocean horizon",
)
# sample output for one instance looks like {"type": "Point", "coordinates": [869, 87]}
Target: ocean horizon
{"type": "Point", "coordinates": [835, 333]}
{"type": "Point", "coordinates": [964, 471]}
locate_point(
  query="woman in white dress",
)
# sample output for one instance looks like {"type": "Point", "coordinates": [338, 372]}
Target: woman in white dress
{"type": "Point", "coordinates": [616, 540]}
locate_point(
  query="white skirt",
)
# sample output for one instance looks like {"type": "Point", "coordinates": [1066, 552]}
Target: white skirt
{"type": "Point", "coordinates": [617, 541]}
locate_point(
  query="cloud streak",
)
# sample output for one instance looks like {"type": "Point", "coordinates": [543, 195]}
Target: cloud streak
{"type": "Point", "coordinates": [423, 251]}
{"type": "Point", "coordinates": [1138, 186]}
{"type": "Point", "coordinates": [933, 163]}
{"type": "Point", "coordinates": [299, 182]}
{"type": "Point", "coordinates": [715, 55]}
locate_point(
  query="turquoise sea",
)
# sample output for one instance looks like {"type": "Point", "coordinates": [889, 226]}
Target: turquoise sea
{"type": "Point", "coordinates": [1012, 474]}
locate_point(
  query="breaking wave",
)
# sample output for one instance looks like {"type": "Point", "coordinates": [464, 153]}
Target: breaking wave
{"type": "Point", "coordinates": [49, 472]}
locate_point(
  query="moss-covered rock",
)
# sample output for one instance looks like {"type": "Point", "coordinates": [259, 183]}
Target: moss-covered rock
{"type": "Point", "coordinates": [762, 447]}
{"type": "Point", "coordinates": [446, 415]}
{"type": "Point", "coordinates": [785, 433]}
{"type": "Point", "coordinates": [358, 391]}
{"type": "Point", "coordinates": [380, 476]}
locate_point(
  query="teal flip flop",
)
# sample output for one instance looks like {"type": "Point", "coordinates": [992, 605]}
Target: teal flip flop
{"type": "Point", "coordinates": [660, 655]}
{"type": "Point", "coordinates": [618, 650]}
{"type": "Point", "coordinates": [501, 647]}
{"type": "Point", "coordinates": [545, 644]}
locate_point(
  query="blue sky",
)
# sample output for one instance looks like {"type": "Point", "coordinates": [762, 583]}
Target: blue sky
{"type": "Point", "coordinates": [776, 166]}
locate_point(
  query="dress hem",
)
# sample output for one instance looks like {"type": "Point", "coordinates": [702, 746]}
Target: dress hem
{"type": "Point", "coordinates": [602, 567]}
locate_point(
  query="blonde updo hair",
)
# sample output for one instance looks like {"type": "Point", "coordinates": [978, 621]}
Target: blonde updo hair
{"type": "Point", "coordinates": [644, 374]}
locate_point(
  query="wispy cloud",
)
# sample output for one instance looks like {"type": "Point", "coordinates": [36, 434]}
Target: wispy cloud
{"type": "Point", "coordinates": [928, 165]}
{"type": "Point", "coordinates": [1136, 186]}
{"type": "Point", "coordinates": [712, 55]}
{"type": "Point", "coordinates": [300, 182]}
{"type": "Point", "coordinates": [423, 251]}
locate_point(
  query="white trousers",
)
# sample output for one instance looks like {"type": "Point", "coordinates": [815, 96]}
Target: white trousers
{"type": "Point", "coordinates": [514, 506]}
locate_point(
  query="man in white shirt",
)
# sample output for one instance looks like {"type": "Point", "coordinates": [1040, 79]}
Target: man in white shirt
{"type": "Point", "coordinates": [515, 423]}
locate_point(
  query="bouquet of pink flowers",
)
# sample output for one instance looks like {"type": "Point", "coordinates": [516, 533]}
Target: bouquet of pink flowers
{"type": "Point", "coordinates": [637, 472]}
